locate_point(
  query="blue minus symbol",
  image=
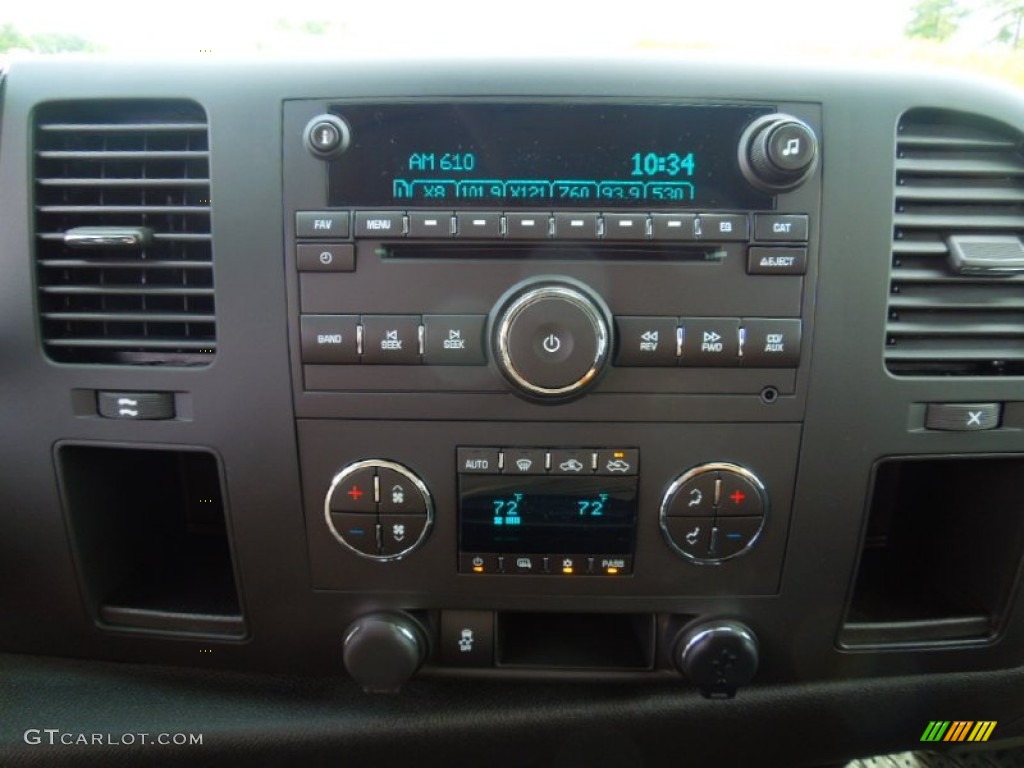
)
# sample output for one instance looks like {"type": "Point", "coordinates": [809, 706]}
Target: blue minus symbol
{"type": "Point", "coordinates": [734, 535]}
{"type": "Point", "coordinates": [357, 531]}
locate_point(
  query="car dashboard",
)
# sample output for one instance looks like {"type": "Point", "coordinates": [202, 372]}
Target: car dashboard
{"type": "Point", "coordinates": [521, 411]}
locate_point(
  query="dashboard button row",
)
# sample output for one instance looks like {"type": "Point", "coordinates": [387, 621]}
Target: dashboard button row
{"type": "Point", "coordinates": [709, 342]}
{"type": "Point", "coordinates": [545, 564]}
{"type": "Point", "coordinates": [393, 339]}
{"type": "Point", "coordinates": [543, 461]}
{"type": "Point", "coordinates": [570, 225]}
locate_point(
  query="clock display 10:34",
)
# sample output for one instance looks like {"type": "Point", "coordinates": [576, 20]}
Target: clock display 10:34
{"type": "Point", "coordinates": [672, 164]}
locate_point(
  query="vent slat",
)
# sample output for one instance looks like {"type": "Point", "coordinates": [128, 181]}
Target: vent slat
{"type": "Point", "coordinates": [943, 221]}
{"type": "Point", "coordinates": [956, 174]}
{"type": "Point", "coordinates": [995, 195]}
{"type": "Point", "coordinates": [168, 237]}
{"type": "Point", "coordinates": [957, 167]}
{"type": "Point", "coordinates": [122, 127]}
{"type": "Point", "coordinates": [123, 290]}
{"type": "Point", "coordinates": [113, 343]}
{"type": "Point", "coordinates": [122, 264]}
{"type": "Point", "coordinates": [127, 317]}
{"type": "Point", "coordinates": [122, 164]}
{"type": "Point", "coordinates": [122, 183]}
{"type": "Point", "coordinates": [72, 210]}
{"type": "Point", "coordinates": [135, 155]}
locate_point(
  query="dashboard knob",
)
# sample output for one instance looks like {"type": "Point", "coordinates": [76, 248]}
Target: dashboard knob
{"type": "Point", "coordinates": [383, 650]}
{"type": "Point", "coordinates": [327, 136]}
{"type": "Point", "coordinates": [551, 338]}
{"type": "Point", "coordinates": [778, 153]}
{"type": "Point", "coordinates": [717, 656]}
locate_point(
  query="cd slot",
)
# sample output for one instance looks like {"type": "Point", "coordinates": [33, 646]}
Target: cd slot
{"type": "Point", "coordinates": [490, 251]}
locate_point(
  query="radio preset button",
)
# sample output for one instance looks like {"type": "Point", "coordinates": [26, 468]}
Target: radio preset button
{"type": "Point", "coordinates": [771, 343]}
{"type": "Point", "coordinates": [380, 224]}
{"type": "Point", "coordinates": [322, 224]}
{"type": "Point", "coordinates": [478, 224]}
{"type": "Point", "coordinates": [776, 261]}
{"type": "Point", "coordinates": [711, 341]}
{"type": "Point", "coordinates": [325, 257]}
{"type": "Point", "coordinates": [646, 341]}
{"type": "Point", "coordinates": [454, 339]}
{"type": "Point", "coordinates": [576, 226]}
{"type": "Point", "coordinates": [478, 461]}
{"type": "Point", "coordinates": [527, 226]}
{"type": "Point", "coordinates": [329, 339]}
{"type": "Point", "coordinates": [775, 226]}
{"type": "Point", "coordinates": [430, 224]}
{"type": "Point", "coordinates": [723, 226]}
{"type": "Point", "coordinates": [625, 226]}
{"type": "Point", "coordinates": [618, 461]}
{"type": "Point", "coordinates": [524, 461]}
{"type": "Point", "coordinates": [391, 339]}
{"type": "Point", "coordinates": [673, 226]}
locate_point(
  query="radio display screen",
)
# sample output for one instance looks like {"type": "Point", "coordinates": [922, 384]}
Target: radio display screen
{"type": "Point", "coordinates": [547, 515]}
{"type": "Point", "coordinates": [487, 155]}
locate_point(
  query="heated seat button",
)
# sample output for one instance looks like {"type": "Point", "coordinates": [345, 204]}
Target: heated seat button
{"type": "Point", "coordinates": [391, 339]}
{"type": "Point", "coordinates": [454, 339]}
{"type": "Point", "coordinates": [711, 341]}
{"type": "Point", "coordinates": [399, 533]}
{"type": "Point", "coordinates": [467, 638]}
{"type": "Point", "coordinates": [771, 343]}
{"type": "Point", "coordinates": [647, 341]}
{"type": "Point", "coordinates": [329, 339]}
{"type": "Point", "coordinates": [690, 535]}
{"type": "Point", "coordinates": [357, 531]}
{"type": "Point", "coordinates": [732, 535]}
{"type": "Point", "coordinates": [695, 497]}
{"type": "Point", "coordinates": [739, 496]}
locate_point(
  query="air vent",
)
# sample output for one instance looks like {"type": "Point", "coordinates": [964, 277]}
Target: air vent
{"type": "Point", "coordinates": [123, 245]}
{"type": "Point", "coordinates": [956, 304]}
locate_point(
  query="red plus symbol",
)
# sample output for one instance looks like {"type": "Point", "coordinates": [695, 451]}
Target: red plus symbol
{"type": "Point", "coordinates": [355, 493]}
{"type": "Point", "coordinates": [737, 496]}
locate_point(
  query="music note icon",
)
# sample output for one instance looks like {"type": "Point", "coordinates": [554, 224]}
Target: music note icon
{"type": "Point", "coordinates": [792, 148]}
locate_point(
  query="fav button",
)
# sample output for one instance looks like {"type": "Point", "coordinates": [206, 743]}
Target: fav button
{"type": "Point", "coordinates": [322, 224]}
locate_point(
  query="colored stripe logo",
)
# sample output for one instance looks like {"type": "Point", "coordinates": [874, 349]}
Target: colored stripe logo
{"type": "Point", "coordinates": [958, 730]}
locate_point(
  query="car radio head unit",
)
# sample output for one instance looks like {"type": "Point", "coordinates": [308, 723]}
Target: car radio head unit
{"type": "Point", "coordinates": [562, 155]}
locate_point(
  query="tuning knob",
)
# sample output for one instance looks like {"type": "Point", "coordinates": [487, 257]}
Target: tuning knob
{"type": "Point", "coordinates": [778, 153]}
{"type": "Point", "coordinates": [717, 656]}
{"type": "Point", "coordinates": [551, 338]}
{"type": "Point", "coordinates": [383, 650]}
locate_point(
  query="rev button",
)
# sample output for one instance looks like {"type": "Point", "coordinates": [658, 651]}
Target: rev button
{"type": "Point", "coordinates": [649, 341]}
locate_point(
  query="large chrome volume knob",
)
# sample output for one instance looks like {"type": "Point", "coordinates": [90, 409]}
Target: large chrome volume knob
{"type": "Point", "coordinates": [551, 338]}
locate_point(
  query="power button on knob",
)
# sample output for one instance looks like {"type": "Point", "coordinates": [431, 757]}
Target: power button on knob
{"type": "Point", "coordinates": [551, 339]}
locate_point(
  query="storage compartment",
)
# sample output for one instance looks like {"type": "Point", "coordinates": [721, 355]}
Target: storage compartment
{"type": "Point", "coordinates": [149, 532]}
{"type": "Point", "coordinates": [576, 640]}
{"type": "Point", "coordinates": [941, 551]}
